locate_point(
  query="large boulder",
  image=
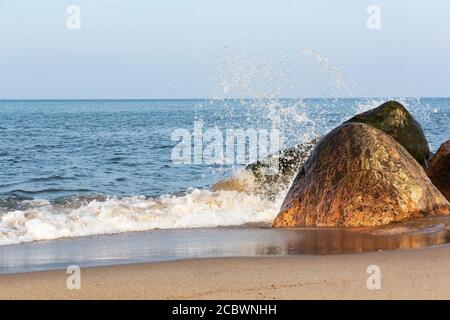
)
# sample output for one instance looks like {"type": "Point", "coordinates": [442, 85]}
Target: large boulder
{"type": "Point", "coordinates": [395, 120]}
{"type": "Point", "coordinates": [439, 169]}
{"type": "Point", "coordinates": [359, 176]}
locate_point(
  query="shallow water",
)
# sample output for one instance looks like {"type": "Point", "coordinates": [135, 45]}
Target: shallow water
{"type": "Point", "coordinates": [175, 244]}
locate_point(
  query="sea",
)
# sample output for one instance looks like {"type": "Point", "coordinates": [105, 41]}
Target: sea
{"type": "Point", "coordinates": [71, 169]}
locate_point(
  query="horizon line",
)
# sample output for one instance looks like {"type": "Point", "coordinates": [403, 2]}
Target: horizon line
{"type": "Point", "coordinates": [218, 99]}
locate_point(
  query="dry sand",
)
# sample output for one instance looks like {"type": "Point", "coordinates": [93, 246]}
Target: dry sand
{"type": "Point", "coordinates": [405, 274]}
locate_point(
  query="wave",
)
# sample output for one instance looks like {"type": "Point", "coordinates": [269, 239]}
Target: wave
{"type": "Point", "coordinates": [42, 220]}
{"type": "Point", "coordinates": [48, 190]}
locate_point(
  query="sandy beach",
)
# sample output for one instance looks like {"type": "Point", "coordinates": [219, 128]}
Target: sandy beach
{"type": "Point", "coordinates": [252, 150]}
{"type": "Point", "coordinates": [405, 274]}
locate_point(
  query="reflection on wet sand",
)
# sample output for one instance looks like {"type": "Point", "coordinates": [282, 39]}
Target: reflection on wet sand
{"type": "Point", "coordinates": [413, 234]}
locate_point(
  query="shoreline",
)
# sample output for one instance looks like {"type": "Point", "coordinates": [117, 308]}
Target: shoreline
{"type": "Point", "coordinates": [223, 242]}
{"type": "Point", "coordinates": [405, 274]}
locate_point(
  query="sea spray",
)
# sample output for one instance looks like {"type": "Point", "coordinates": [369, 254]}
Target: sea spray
{"type": "Point", "coordinates": [257, 83]}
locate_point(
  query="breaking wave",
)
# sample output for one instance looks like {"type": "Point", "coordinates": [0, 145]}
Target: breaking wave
{"type": "Point", "coordinates": [93, 215]}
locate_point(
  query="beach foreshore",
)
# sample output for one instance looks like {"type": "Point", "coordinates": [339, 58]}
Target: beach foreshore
{"type": "Point", "coordinates": [405, 274]}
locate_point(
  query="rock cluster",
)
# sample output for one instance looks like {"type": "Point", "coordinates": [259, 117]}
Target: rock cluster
{"type": "Point", "coordinates": [368, 172]}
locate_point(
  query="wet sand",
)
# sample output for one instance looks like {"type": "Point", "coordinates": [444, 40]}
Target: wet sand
{"type": "Point", "coordinates": [248, 241]}
{"type": "Point", "coordinates": [405, 274]}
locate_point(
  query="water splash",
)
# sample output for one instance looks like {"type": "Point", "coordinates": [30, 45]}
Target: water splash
{"type": "Point", "coordinates": [255, 82]}
{"type": "Point", "coordinates": [341, 85]}
{"type": "Point", "coordinates": [260, 84]}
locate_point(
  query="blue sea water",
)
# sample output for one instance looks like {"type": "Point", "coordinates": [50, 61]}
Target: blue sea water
{"type": "Point", "coordinates": [93, 164]}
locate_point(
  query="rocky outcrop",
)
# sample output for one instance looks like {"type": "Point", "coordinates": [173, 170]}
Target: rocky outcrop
{"type": "Point", "coordinates": [276, 171]}
{"type": "Point", "coordinates": [269, 176]}
{"type": "Point", "coordinates": [439, 169]}
{"type": "Point", "coordinates": [359, 176]}
{"type": "Point", "coordinates": [395, 120]}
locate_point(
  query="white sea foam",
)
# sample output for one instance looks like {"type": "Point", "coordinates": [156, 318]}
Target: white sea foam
{"type": "Point", "coordinates": [198, 208]}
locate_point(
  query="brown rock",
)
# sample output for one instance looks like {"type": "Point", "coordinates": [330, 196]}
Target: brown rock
{"type": "Point", "coordinates": [439, 169]}
{"type": "Point", "coordinates": [243, 181]}
{"type": "Point", "coordinates": [359, 176]}
{"type": "Point", "coordinates": [394, 119]}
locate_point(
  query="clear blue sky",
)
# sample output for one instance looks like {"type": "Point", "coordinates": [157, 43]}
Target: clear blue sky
{"type": "Point", "coordinates": [174, 49]}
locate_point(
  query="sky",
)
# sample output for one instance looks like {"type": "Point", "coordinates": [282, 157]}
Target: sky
{"type": "Point", "coordinates": [178, 49]}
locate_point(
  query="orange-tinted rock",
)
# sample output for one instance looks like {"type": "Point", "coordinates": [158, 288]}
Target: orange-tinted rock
{"type": "Point", "coordinates": [359, 176]}
{"type": "Point", "coordinates": [439, 169]}
{"type": "Point", "coordinates": [394, 119]}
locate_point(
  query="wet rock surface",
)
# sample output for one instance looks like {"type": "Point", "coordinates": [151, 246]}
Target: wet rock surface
{"type": "Point", "coordinates": [274, 173]}
{"type": "Point", "coordinates": [270, 176]}
{"type": "Point", "coordinates": [394, 119]}
{"type": "Point", "coordinates": [439, 169]}
{"type": "Point", "coordinates": [358, 175]}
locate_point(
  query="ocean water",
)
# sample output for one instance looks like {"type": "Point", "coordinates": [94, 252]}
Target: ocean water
{"type": "Point", "coordinates": [78, 168]}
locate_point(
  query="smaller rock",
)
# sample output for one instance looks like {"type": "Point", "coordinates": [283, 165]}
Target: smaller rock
{"type": "Point", "coordinates": [269, 180]}
{"type": "Point", "coordinates": [439, 169]}
{"type": "Point", "coordinates": [242, 181]}
{"type": "Point", "coordinates": [394, 119]}
{"type": "Point", "coordinates": [269, 176]}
